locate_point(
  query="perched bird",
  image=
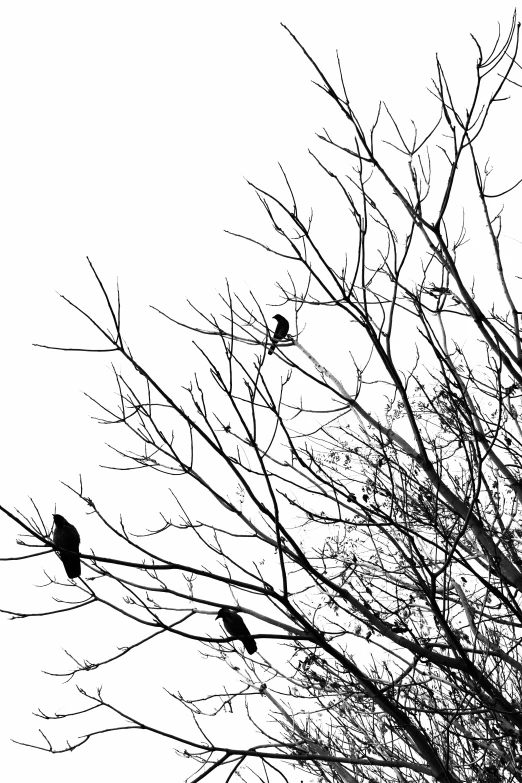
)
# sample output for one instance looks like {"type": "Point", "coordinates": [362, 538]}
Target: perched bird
{"type": "Point", "coordinates": [280, 332]}
{"type": "Point", "coordinates": [66, 537]}
{"type": "Point", "coordinates": [235, 627]}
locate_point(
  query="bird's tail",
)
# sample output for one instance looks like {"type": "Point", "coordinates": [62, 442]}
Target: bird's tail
{"type": "Point", "coordinates": [272, 348]}
{"type": "Point", "coordinates": [72, 565]}
{"type": "Point", "coordinates": [250, 644]}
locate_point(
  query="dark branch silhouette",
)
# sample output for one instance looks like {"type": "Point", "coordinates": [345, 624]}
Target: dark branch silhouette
{"type": "Point", "coordinates": [363, 505]}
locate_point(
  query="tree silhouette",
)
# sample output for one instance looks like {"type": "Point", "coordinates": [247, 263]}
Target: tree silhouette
{"type": "Point", "coordinates": [370, 533]}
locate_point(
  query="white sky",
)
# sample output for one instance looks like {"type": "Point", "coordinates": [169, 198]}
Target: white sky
{"type": "Point", "coordinates": [127, 129]}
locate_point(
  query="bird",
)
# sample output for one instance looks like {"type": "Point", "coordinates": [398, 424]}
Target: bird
{"type": "Point", "coordinates": [280, 332]}
{"type": "Point", "coordinates": [66, 537]}
{"type": "Point", "coordinates": [235, 627]}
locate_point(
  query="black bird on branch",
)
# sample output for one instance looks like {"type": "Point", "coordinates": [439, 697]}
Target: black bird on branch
{"type": "Point", "coordinates": [235, 627]}
{"type": "Point", "coordinates": [66, 537]}
{"type": "Point", "coordinates": [280, 332]}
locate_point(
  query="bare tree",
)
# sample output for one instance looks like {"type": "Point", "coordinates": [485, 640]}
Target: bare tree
{"type": "Point", "coordinates": [372, 533]}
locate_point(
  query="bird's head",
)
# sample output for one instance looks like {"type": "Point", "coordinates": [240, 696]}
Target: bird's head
{"type": "Point", "coordinates": [278, 318]}
{"type": "Point", "coordinates": [58, 520]}
{"type": "Point", "coordinates": [223, 613]}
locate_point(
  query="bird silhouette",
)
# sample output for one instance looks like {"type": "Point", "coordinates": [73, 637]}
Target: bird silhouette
{"type": "Point", "coordinates": [66, 537]}
{"type": "Point", "coordinates": [280, 332]}
{"type": "Point", "coordinates": [235, 627]}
